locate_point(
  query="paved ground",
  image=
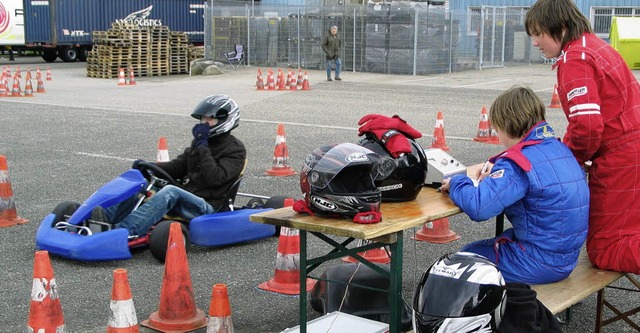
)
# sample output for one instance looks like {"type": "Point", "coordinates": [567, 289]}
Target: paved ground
{"type": "Point", "coordinates": [64, 144]}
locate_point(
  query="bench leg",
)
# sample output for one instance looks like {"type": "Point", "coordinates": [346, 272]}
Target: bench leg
{"type": "Point", "coordinates": [599, 306]}
{"type": "Point", "coordinates": [619, 315]}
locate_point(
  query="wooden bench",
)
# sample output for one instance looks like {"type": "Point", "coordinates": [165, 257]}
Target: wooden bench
{"type": "Point", "coordinates": [583, 282]}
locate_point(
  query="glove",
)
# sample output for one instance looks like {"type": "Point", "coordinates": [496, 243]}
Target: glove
{"type": "Point", "coordinates": [136, 164]}
{"type": "Point", "coordinates": [395, 142]}
{"type": "Point", "coordinates": [201, 134]}
{"type": "Point", "coordinates": [377, 121]}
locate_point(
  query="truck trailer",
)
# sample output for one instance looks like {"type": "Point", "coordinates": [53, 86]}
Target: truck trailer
{"type": "Point", "coordinates": [63, 28]}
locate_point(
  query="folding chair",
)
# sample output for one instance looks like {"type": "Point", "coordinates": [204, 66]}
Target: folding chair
{"type": "Point", "coordinates": [236, 57]}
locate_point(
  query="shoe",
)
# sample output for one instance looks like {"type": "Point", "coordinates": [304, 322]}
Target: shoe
{"type": "Point", "coordinates": [329, 79]}
{"type": "Point", "coordinates": [99, 215]}
{"type": "Point", "coordinates": [338, 78]}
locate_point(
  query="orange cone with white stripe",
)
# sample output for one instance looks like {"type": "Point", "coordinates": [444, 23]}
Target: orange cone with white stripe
{"type": "Point", "coordinates": [49, 74]}
{"type": "Point", "coordinates": [3, 86]}
{"type": "Point", "coordinates": [8, 215]}
{"type": "Point", "coordinates": [122, 81]}
{"type": "Point", "coordinates": [493, 136]}
{"type": "Point", "coordinates": [40, 87]}
{"type": "Point", "coordinates": [436, 232]}
{"type": "Point", "coordinates": [220, 310]}
{"type": "Point", "coordinates": [305, 83]}
{"type": "Point", "coordinates": [45, 309]}
{"type": "Point", "coordinates": [379, 255]}
{"type": "Point", "coordinates": [132, 77]}
{"type": "Point", "coordinates": [271, 85]}
{"type": "Point", "coordinates": [555, 99]}
{"type": "Point", "coordinates": [28, 89]}
{"type": "Point", "coordinates": [281, 156]}
{"type": "Point", "coordinates": [163, 150]}
{"type": "Point", "coordinates": [16, 91]}
{"type": "Point", "coordinates": [299, 82]}
{"type": "Point", "coordinates": [123, 318]}
{"type": "Point", "coordinates": [286, 279]}
{"type": "Point", "coordinates": [282, 82]}
{"type": "Point", "coordinates": [177, 311]}
{"type": "Point", "coordinates": [483, 127]}
{"type": "Point", "coordinates": [259, 80]}
{"type": "Point", "coordinates": [439, 141]}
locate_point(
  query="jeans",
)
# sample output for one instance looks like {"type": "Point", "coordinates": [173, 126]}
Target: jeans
{"type": "Point", "coordinates": [169, 199]}
{"type": "Point", "coordinates": [338, 65]}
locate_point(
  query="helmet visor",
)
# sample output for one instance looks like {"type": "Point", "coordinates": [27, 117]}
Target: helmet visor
{"type": "Point", "coordinates": [340, 157]}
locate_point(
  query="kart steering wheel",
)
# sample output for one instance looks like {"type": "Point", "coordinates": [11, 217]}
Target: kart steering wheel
{"type": "Point", "coordinates": [150, 170]}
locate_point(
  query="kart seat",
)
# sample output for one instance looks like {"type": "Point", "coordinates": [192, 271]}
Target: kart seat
{"type": "Point", "coordinates": [230, 197]}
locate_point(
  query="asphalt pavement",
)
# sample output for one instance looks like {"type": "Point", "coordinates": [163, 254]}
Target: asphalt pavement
{"type": "Point", "coordinates": [64, 144]}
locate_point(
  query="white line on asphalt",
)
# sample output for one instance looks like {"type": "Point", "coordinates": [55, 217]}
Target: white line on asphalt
{"type": "Point", "coordinates": [481, 83]}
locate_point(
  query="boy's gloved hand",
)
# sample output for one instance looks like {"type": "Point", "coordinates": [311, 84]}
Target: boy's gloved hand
{"type": "Point", "coordinates": [201, 134]}
{"type": "Point", "coordinates": [372, 122]}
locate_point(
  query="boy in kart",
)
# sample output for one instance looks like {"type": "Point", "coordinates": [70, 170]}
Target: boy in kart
{"type": "Point", "coordinates": [207, 168]}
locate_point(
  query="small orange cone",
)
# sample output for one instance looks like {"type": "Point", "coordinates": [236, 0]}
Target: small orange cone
{"type": "Point", "coordinates": [16, 90]}
{"type": "Point", "coordinates": [555, 99]}
{"type": "Point", "coordinates": [40, 87]}
{"type": "Point", "coordinates": [123, 318]}
{"type": "Point", "coordinates": [8, 215]}
{"type": "Point", "coordinates": [271, 85]}
{"type": "Point", "coordinates": [281, 156]}
{"type": "Point", "coordinates": [3, 87]}
{"type": "Point", "coordinates": [28, 89]}
{"type": "Point", "coordinates": [38, 73]}
{"type": "Point", "coordinates": [483, 127]}
{"type": "Point", "coordinates": [28, 77]}
{"type": "Point", "coordinates": [493, 137]}
{"type": "Point", "coordinates": [293, 85]}
{"type": "Point", "coordinates": [163, 150]}
{"type": "Point", "coordinates": [305, 83]}
{"type": "Point", "coordinates": [299, 83]}
{"type": "Point", "coordinates": [49, 74]}
{"type": "Point", "coordinates": [286, 279]}
{"type": "Point", "coordinates": [436, 232]}
{"type": "Point", "coordinates": [19, 72]}
{"type": "Point", "coordinates": [121, 78]}
{"type": "Point", "coordinates": [132, 77]}
{"type": "Point", "coordinates": [177, 311]}
{"type": "Point", "coordinates": [220, 310]}
{"type": "Point", "coordinates": [45, 310]}
{"type": "Point", "coordinates": [259, 80]}
{"type": "Point", "coordinates": [379, 255]}
{"type": "Point", "coordinates": [282, 83]}
{"type": "Point", "coordinates": [439, 141]}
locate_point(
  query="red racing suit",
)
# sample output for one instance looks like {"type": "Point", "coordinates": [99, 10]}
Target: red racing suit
{"type": "Point", "coordinates": [601, 100]}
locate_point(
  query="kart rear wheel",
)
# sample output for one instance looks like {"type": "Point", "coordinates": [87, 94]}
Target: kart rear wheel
{"type": "Point", "coordinates": [255, 203]}
{"type": "Point", "coordinates": [275, 202]}
{"type": "Point", "coordinates": [63, 209]}
{"type": "Point", "coordinates": [159, 237]}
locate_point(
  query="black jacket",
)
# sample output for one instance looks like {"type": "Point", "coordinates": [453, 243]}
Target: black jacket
{"type": "Point", "coordinates": [332, 46]}
{"type": "Point", "coordinates": [209, 172]}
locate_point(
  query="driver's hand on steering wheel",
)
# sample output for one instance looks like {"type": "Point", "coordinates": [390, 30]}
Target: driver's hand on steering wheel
{"type": "Point", "coordinates": [136, 164]}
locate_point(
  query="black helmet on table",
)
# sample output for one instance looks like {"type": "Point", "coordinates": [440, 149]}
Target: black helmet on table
{"type": "Point", "coordinates": [402, 178]}
{"type": "Point", "coordinates": [221, 107]}
{"type": "Point", "coordinates": [337, 180]}
{"type": "Point", "coordinates": [461, 292]}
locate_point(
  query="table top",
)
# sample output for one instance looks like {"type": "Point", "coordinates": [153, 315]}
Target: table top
{"type": "Point", "coordinates": [430, 205]}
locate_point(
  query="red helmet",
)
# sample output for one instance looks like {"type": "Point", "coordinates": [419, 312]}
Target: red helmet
{"type": "Point", "coordinates": [337, 180]}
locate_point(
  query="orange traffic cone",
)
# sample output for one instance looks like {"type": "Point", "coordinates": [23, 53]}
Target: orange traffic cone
{"type": "Point", "coordinates": [271, 85]}
{"type": "Point", "coordinates": [163, 150]}
{"type": "Point", "coordinates": [379, 255]}
{"type": "Point", "coordinates": [555, 99]}
{"type": "Point", "coordinates": [40, 87]}
{"type": "Point", "coordinates": [16, 90]}
{"type": "Point", "coordinates": [220, 310]}
{"type": "Point", "coordinates": [281, 156]}
{"type": "Point", "coordinates": [28, 89]}
{"type": "Point", "coordinates": [177, 311]}
{"type": "Point", "coordinates": [123, 318]}
{"type": "Point", "coordinates": [19, 72]}
{"type": "Point", "coordinates": [299, 83]}
{"type": "Point", "coordinates": [293, 85]}
{"type": "Point", "coordinates": [8, 215]}
{"type": "Point", "coordinates": [483, 127]}
{"type": "Point", "coordinates": [49, 74]}
{"type": "Point", "coordinates": [282, 82]}
{"type": "Point", "coordinates": [132, 77]}
{"type": "Point", "coordinates": [286, 279]}
{"type": "Point", "coordinates": [45, 310]}
{"type": "Point", "coordinates": [28, 77]}
{"type": "Point", "coordinates": [3, 86]}
{"type": "Point", "coordinates": [259, 80]}
{"type": "Point", "coordinates": [439, 140]}
{"type": "Point", "coordinates": [493, 136]}
{"type": "Point", "coordinates": [436, 232]}
{"type": "Point", "coordinates": [121, 78]}
{"type": "Point", "coordinates": [38, 73]}
{"type": "Point", "coordinates": [305, 83]}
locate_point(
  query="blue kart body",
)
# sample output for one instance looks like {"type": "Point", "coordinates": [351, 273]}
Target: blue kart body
{"type": "Point", "coordinates": [208, 230]}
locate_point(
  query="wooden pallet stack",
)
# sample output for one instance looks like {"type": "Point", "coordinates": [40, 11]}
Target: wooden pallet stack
{"type": "Point", "coordinates": [150, 51]}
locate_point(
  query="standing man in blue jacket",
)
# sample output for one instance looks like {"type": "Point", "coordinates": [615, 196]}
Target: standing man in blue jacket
{"type": "Point", "coordinates": [539, 186]}
{"type": "Point", "coordinates": [332, 46]}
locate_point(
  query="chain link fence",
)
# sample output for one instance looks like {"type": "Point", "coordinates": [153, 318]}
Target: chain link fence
{"type": "Point", "coordinates": [398, 37]}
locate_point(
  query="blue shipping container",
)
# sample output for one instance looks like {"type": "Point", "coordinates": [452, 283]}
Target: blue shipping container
{"type": "Point", "coordinates": [68, 22]}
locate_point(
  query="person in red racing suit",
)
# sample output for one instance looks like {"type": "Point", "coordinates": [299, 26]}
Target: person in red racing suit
{"type": "Point", "coordinates": [601, 100]}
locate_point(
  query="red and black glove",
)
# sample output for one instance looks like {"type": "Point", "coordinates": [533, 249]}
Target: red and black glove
{"type": "Point", "coordinates": [377, 121]}
{"type": "Point", "coordinates": [395, 142]}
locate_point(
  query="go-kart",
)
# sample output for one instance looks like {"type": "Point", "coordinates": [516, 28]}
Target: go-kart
{"type": "Point", "coordinates": [70, 232]}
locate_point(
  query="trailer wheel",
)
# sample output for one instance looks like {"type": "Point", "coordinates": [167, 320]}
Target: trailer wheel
{"type": "Point", "coordinates": [50, 55]}
{"type": "Point", "coordinates": [68, 54]}
{"type": "Point", "coordinates": [83, 51]}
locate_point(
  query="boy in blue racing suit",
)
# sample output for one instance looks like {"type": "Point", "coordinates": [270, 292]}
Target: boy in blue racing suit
{"type": "Point", "coordinates": [539, 186]}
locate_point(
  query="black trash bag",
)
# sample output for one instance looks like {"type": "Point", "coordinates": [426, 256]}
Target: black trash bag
{"type": "Point", "coordinates": [362, 302]}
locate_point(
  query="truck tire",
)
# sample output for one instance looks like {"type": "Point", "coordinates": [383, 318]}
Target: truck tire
{"type": "Point", "coordinates": [83, 51]}
{"type": "Point", "coordinates": [68, 54]}
{"type": "Point", "coordinates": [50, 55]}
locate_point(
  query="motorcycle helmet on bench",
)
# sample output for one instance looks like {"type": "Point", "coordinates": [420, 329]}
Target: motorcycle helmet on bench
{"type": "Point", "coordinates": [337, 180]}
{"type": "Point", "coordinates": [402, 178]}
{"type": "Point", "coordinates": [461, 292]}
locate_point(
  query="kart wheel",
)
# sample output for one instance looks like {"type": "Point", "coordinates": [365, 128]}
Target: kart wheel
{"type": "Point", "coordinates": [159, 237]}
{"type": "Point", "coordinates": [276, 201]}
{"type": "Point", "coordinates": [255, 203]}
{"type": "Point", "coordinates": [63, 209]}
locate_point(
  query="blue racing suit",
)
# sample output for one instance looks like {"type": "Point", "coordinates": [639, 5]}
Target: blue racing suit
{"type": "Point", "coordinates": [543, 192]}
